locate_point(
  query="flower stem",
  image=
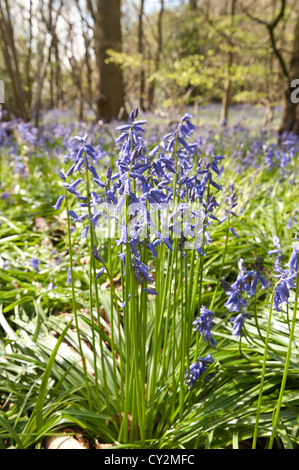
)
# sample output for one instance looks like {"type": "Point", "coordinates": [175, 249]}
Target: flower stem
{"type": "Point", "coordinates": [285, 373]}
{"type": "Point", "coordinates": [74, 302]}
{"type": "Point", "coordinates": [258, 412]}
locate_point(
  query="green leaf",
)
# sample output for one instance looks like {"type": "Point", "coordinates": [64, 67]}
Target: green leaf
{"type": "Point", "coordinates": [45, 378]}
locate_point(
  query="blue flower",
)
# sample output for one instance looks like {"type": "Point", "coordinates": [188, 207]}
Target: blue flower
{"type": "Point", "coordinates": [293, 262]}
{"type": "Point", "coordinates": [286, 278]}
{"type": "Point", "coordinates": [257, 276]}
{"type": "Point", "coordinates": [197, 369]}
{"type": "Point", "coordinates": [62, 176]}
{"type": "Point", "coordinates": [277, 245]}
{"type": "Point", "coordinates": [100, 273]}
{"type": "Point", "coordinates": [59, 202]}
{"type": "Point", "coordinates": [150, 291]}
{"type": "Point", "coordinates": [203, 325]}
{"type": "Point", "coordinates": [34, 264]}
{"type": "Point", "coordinates": [238, 323]}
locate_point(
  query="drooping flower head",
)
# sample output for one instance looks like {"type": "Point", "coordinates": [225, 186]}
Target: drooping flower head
{"type": "Point", "coordinates": [197, 369]}
{"type": "Point", "coordinates": [286, 278]}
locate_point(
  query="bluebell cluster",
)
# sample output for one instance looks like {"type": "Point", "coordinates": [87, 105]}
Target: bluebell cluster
{"type": "Point", "coordinates": [245, 285]}
{"type": "Point", "coordinates": [154, 179]}
{"type": "Point", "coordinates": [174, 171]}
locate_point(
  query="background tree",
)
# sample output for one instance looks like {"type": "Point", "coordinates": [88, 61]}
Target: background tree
{"type": "Point", "coordinates": [107, 36]}
{"type": "Point", "coordinates": [11, 58]}
{"type": "Point", "coordinates": [158, 56]}
{"type": "Point", "coordinates": [162, 56]}
{"type": "Point", "coordinates": [290, 115]}
{"type": "Point", "coordinates": [230, 58]}
{"type": "Point", "coordinates": [141, 52]}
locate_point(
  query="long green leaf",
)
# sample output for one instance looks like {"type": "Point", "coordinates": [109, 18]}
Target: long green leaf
{"type": "Point", "coordinates": [45, 378]}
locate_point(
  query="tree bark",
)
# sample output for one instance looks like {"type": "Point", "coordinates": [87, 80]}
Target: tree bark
{"type": "Point", "coordinates": [193, 4]}
{"type": "Point", "coordinates": [11, 61]}
{"type": "Point", "coordinates": [226, 98]}
{"type": "Point", "coordinates": [29, 59]}
{"type": "Point", "coordinates": [151, 90]}
{"type": "Point", "coordinates": [107, 35]}
{"type": "Point", "coordinates": [36, 105]}
{"type": "Point", "coordinates": [290, 114]}
{"type": "Point", "coordinates": [76, 71]}
{"type": "Point", "coordinates": [140, 50]}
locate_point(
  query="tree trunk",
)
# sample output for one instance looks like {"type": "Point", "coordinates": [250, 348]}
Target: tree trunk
{"type": "Point", "coordinates": [57, 69]}
{"type": "Point", "coordinates": [11, 60]}
{"type": "Point", "coordinates": [193, 4]}
{"type": "Point", "coordinates": [107, 35]}
{"type": "Point", "coordinates": [290, 114]}
{"type": "Point", "coordinates": [226, 98]}
{"type": "Point", "coordinates": [151, 91]}
{"type": "Point", "coordinates": [140, 50]}
{"type": "Point", "coordinates": [50, 24]}
{"type": "Point", "coordinates": [29, 59]}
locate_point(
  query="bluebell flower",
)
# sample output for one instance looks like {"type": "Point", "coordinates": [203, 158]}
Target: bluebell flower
{"type": "Point", "coordinates": [62, 176]}
{"type": "Point", "coordinates": [81, 139]}
{"type": "Point", "coordinates": [142, 270]}
{"type": "Point", "coordinates": [277, 245]}
{"type": "Point", "coordinates": [34, 264]}
{"type": "Point", "coordinates": [85, 231]}
{"type": "Point", "coordinates": [197, 369]}
{"type": "Point", "coordinates": [74, 215]}
{"type": "Point", "coordinates": [286, 278]}
{"type": "Point", "coordinates": [203, 325]}
{"type": "Point", "coordinates": [281, 295]}
{"type": "Point", "coordinates": [59, 202]}
{"type": "Point", "coordinates": [78, 165]}
{"type": "Point", "coordinates": [150, 291]}
{"type": "Point", "coordinates": [238, 323]}
{"type": "Point", "coordinates": [246, 282]}
{"type": "Point", "coordinates": [233, 232]}
{"type": "Point", "coordinates": [100, 273]}
{"type": "Point", "coordinates": [293, 261]}
{"type": "Point", "coordinates": [95, 254]}
{"type": "Point", "coordinates": [123, 237]}
{"type": "Point", "coordinates": [257, 276]}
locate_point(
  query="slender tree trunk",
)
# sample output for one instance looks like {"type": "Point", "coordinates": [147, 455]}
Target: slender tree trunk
{"type": "Point", "coordinates": [140, 50]}
{"type": "Point", "coordinates": [36, 105]}
{"type": "Point", "coordinates": [37, 102]}
{"type": "Point", "coordinates": [290, 114]}
{"type": "Point", "coordinates": [226, 98]}
{"type": "Point", "coordinates": [11, 60]}
{"type": "Point", "coordinates": [87, 44]}
{"type": "Point", "coordinates": [86, 28]}
{"type": "Point", "coordinates": [57, 72]}
{"type": "Point", "coordinates": [80, 104]}
{"type": "Point", "coordinates": [107, 35]}
{"type": "Point", "coordinates": [29, 59]}
{"type": "Point", "coordinates": [151, 90]}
